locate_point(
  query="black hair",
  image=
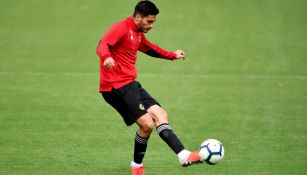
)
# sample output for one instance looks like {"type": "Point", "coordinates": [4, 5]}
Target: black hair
{"type": "Point", "coordinates": [145, 8]}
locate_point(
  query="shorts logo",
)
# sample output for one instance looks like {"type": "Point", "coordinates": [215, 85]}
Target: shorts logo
{"type": "Point", "coordinates": [141, 107]}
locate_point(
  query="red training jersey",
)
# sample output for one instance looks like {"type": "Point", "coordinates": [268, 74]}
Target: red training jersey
{"type": "Point", "coordinates": [121, 42]}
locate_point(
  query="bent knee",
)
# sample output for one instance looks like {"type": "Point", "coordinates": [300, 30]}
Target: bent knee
{"type": "Point", "coordinates": [146, 123]}
{"type": "Point", "coordinates": [159, 115]}
{"type": "Point", "coordinates": [147, 126]}
{"type": "Point", "coordinates": [164, 113]}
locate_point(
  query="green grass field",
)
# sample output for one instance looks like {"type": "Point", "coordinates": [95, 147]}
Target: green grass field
{"type": "Point", "coordinates": [244, 82]}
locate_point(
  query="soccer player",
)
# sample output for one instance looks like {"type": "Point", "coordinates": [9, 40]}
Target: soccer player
{"type": "Point", "coordinates": [118, 53]}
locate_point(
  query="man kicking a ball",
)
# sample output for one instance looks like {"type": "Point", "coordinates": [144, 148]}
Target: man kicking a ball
{"type": "Point", "coordinates": [118, 52]}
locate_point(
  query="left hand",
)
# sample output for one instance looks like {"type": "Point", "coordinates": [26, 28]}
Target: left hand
{"type": "Point", "coordinates": [180, 54]}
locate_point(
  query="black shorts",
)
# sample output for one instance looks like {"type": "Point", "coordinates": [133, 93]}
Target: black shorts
{"type": "Point", "coordinates": [131, 101]}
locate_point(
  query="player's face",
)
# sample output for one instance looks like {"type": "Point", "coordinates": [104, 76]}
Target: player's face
{"type": "Point", "coordinates": [146, 23]}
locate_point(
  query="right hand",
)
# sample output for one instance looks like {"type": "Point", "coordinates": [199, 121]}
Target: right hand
{"type": "Point", "coordinates": [109, 63]}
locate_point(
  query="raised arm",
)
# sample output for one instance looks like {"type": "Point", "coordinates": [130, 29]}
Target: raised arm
{"type": "Point", "coordinates": [156, 51]}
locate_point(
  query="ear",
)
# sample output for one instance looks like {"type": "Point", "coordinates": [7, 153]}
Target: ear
{"type": "Point", "coordinates": [138, 18]}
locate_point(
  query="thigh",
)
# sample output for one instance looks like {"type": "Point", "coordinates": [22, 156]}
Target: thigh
{"type": "Point", "coordinates": [115, 100]}
{"type": "Point", "coordinates": [146, 98]}
{"type": "Point", "coordinates": [127, 101]}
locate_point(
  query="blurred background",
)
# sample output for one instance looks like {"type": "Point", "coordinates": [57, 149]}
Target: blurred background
{"type": "Point", "coordinates": [243, 82]}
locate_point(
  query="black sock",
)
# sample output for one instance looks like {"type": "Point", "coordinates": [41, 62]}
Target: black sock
{"type": "Point", "coordinates": [140, 145]}
{"type": "Point", "coordinates": [166, 133]}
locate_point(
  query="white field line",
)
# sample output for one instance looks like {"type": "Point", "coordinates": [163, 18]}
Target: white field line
{"type": "Point", "coordinates": [149, 75]}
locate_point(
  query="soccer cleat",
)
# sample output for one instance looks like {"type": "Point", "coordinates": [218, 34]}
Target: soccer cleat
{"type": "Point", "coordinates": [193, 158]}
{"type": "Point", "coordinates": [137, 171]}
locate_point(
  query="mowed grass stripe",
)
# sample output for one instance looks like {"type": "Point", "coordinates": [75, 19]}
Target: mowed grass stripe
{"type": "Point", "coordinates": [206, 76]}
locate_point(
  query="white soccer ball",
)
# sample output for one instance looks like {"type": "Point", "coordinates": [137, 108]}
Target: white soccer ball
{"type": "Point", "coordinates": [211, 151]}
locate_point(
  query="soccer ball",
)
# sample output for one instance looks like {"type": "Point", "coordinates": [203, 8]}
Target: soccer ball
{"type": "Point", "coordinates": [211, 151]}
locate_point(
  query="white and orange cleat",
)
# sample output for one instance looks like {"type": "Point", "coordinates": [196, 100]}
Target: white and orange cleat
{"type": "Point", "coordinates": [137, 171]}
{"type": "Point", "coordinates": [192, 158]}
